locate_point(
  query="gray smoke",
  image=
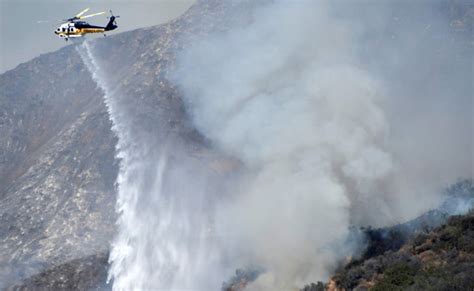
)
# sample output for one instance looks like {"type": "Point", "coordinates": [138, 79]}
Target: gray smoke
{"type": "Point", "coordinates": [342, 113]}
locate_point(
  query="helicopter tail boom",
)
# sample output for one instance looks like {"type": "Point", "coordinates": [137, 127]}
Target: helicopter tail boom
{"type": "Point", "coordinates": [111, 25]}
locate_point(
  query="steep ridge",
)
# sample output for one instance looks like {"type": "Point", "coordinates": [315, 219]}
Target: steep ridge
{"type": "Point", "coordinates": [57, 166]}
{"type": "Point", "coordinates": [39, 98]}
{"type": "Point", "coordinates": [86, 273]}
{"type": "Point", "coordinates": [441, 259]}
{"type": "Point", "coordinates": [170, 177]}
{"type": "Point", "coordinates": [435, 251]}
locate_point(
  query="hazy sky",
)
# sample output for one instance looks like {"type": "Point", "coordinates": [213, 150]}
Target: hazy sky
{"type": "Point", "coordinates": [23, 38]}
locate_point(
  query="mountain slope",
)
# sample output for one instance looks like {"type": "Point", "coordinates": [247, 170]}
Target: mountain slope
{"type": "Point", "coordinates": [442, 259]}
{"type": "Point", "coordinates": [57, 151]}
{"type": "Point", "coordinates": [435, 251]}
{"type": "Point", "coordinates": [57, 166]}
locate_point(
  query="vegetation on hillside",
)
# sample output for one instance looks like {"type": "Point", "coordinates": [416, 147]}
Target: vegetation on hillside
{"type": "Point", "coordinates": [417, 255]}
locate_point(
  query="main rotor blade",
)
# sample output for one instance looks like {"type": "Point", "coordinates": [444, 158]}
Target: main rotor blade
{"type": "Point", "coordinates": [82, 12]}
{"type": "Point", "coordinates": [50, 22]}
{"type": "Point", "coordinates": [90, 15]}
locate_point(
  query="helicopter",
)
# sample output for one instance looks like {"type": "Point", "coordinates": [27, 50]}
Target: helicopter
{"type": "Point", "coordinates": [76, 27]}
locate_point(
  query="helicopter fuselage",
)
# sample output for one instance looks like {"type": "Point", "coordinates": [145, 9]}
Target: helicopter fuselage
{"type": "Point", "coordinates": [73, 29]}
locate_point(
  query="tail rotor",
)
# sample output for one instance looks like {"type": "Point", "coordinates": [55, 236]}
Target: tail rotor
{"type": "Point", "coordinates": [112, 23]}
{"type": "Point", "coordinates": [114, 16]}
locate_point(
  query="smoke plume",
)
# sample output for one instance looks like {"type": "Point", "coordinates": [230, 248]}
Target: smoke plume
{"type": "Point", "coordinates": [342, 114]}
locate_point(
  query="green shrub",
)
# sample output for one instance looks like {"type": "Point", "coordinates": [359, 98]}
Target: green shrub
{"type": "Point", "coordinates": [397, 277]}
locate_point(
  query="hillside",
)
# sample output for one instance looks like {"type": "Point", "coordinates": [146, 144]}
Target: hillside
{"type": "Point", "coordinates": [62, 148]}
{"type": "Point", "coordinates": [442, 259]}
{"type": "Point", "coordinates": [57, 166]}
{"type": "Point", "coordinates": [57, 152]}
{"type": "Point", "coordinates": [432, 252]}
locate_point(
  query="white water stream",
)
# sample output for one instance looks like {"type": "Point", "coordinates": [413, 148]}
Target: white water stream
{"type": "Point", "coordinates": [164, 239]}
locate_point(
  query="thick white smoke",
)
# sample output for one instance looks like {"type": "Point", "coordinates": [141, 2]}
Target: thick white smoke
{"type": "Point", "coordinates": [339, 117]}
{"type": "Point", "coordinates": [291, 96]}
